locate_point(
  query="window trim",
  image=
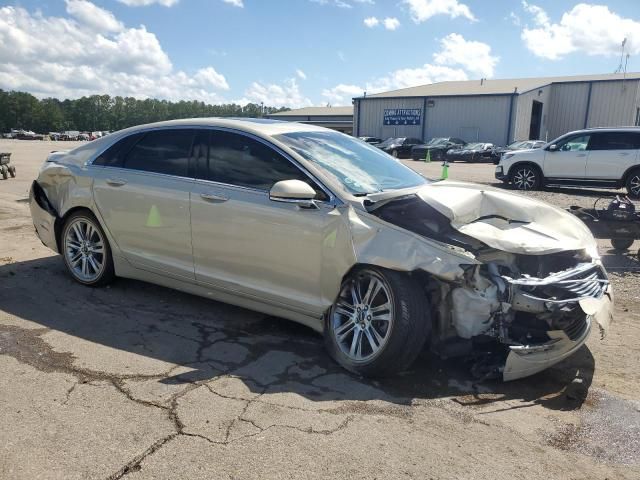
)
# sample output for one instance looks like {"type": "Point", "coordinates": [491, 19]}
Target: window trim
{"type": "Point", "coordinates": [333, 199]}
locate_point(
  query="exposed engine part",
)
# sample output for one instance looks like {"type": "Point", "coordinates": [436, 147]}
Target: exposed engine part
{"type": "Point", "coordinates": [474, 306]}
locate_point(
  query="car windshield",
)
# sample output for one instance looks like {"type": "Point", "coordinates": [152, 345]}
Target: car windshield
{"type": "Point", "coordinates": [359, 167]}
{"type": "Point", "coordinates": [436, 141]}
{"type": "Point", "coordinates": [391, 141]}
{"type": "Point", "coordinates": [516, 145]}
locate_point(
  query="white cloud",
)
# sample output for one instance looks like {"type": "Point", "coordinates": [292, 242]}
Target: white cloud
{"type": "Point", "coordinates": [422, 10]}
{"type": "Point", "coordinates": [391, 23]}
{"type": "Point", "coordinates": [590, 29]}
{"type": "Point", "coordinates": [371, 22]}
{"type": "Point", "coordinates": [301, 74]}
{"type": "Point", "coordinates": [93, 16]}
{"type": "Point", "coordinates": [84, 61]}
{"type": "Point", "coordinates": [144, 3]}
{"type": "Point", "coordinates": [474, 57]}
{"type": "Point", "coordinates": [235, 3]}
{"type": "Point", "coordinates": [286, 95]}
{"type": "Point", "coordinates": [537, 14]}
{"type": "Point", "coordinates": [515, 19]}
{"type": "Point", "coordinates": [456, 59]}
{"type": "Point", "coordinates": [342, 94]}
{"type": "Point", "coordinates": [342, 56]}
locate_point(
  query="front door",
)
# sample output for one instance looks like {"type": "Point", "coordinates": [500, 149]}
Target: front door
{"type": "Point", "coordinates": [570, 158]}
{"type": "Point", "coordinates": [143, 198]}
{"type": "Point", "coordinates": [248, 244]}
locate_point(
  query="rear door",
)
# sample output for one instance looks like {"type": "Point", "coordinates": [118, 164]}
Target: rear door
{"type": "Point", "coordinates": [611, 154]}
{"type": "Point", "coordinates": [246, 243]}
{"type": "Point", "coordinates": [142, 193]}
{"type": "Point", "coordinates": [569, 160]}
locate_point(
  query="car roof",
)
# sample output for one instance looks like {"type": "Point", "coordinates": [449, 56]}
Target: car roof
{"type": "Point", "coordinates": [259, 126]}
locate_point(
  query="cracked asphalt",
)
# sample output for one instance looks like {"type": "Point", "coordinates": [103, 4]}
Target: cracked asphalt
{"type": "Point", "coordinates": [140, 382]}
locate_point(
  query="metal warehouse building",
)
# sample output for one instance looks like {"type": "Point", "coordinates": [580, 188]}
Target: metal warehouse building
{"type": "Point", "coordinates": [336, 118]}
{"type": "Point", "coordinates": [501, 111]}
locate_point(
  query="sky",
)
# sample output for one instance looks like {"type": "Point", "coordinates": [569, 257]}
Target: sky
{"type": "Point", "coordinates": [298, 53]}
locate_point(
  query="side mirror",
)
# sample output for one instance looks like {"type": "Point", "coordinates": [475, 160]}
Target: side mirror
{"type": "Point", "coordinates": [553, 148]}
{"type": "Point", "coordinates": [293, 191]}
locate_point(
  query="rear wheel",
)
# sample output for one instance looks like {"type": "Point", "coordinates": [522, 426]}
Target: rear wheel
{"type": "Point", "coordinates": [12, 171]}
{"type": "Point", "coordinates": [633, 184]}
{"type": "Point", "coordinates": [394, 153]}
{"type": "Point", "coordinates": [379, 322]}
{"type": "Point", "coordinates": [4, 172]}
{"type": "Point", "coordinates": [86, 251]}
{"type": "Point", "coordinates": [621, 243]}
{"type": "Point", "coordinates": [526, 177]}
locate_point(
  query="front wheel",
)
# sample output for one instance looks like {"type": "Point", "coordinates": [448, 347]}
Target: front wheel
{"type": "Point", "coordinates": [633, 184]}
{"type": "Point", "coordinates": [379, 323]}
{"type": "Point", "coordinates": [394, 153]}
{"type": "Point", "coordinates": [526, 177]}
{"type": "Point", "coordinates": [86, 251]}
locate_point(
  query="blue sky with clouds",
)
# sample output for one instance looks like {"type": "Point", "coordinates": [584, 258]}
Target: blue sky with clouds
{"type": "Point", "coordinates": [301, 52]}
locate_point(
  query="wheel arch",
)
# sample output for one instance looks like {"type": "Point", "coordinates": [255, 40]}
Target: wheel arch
{"type": "Point", "coordinates": [62, 219]}
{"type": "Point", "coordinates": [521, 163]}
{"type": "Point", "coordinates": [628, 172]}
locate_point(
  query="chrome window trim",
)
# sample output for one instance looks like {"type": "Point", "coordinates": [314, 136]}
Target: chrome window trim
{"type": "Point", "coordinates": [333, 200]}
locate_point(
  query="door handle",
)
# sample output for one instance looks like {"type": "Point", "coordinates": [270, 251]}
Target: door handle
{"type": "Point", "coordinates": [581, 155]}
{"type": "Point", "coordinates": [623, 154]}
{"type": "Point", "coordinates": [116, 182]}
{"type": "Point", "coordinates": [213, 198]}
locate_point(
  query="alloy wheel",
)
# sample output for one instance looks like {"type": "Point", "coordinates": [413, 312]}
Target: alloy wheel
{"type": "Point", "coordinates": [362, 318]}
{"type": "Point", "coordinates": [525, 179]}
{"type": "Point", "coordinates": [84, 249]}
{"type": "Point", "coordinates": [634, 185]}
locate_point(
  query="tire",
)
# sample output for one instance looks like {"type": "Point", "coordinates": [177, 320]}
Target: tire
{"type": "Point", "coordinates": [86, 252]}
{"type": "Point", "coordinates": [633, 183]}
{"type": "Point", "coordinates": [12, 171]}
{"type": "Point", "coordinates": [399, 333]}
{"type": "Point", "coordinates": [5, 173]}
{"type": "Point", "coordinates": [526, 177]}
{"type": "Point", "coordinates": [621, 244]}
{"type": "Point", "coordinates": [394, 153]}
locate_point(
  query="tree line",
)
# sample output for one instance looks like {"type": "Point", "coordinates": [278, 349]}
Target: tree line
{"type": "Point", "coordinates": [21, 110]}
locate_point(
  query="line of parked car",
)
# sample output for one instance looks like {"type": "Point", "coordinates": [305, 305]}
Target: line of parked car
{"type": "Point", "coordinates": [448, 148]}
{"type": "Point", "coordinates": [69, 135]}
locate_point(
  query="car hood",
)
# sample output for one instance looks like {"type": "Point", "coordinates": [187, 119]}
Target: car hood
{"type": "Point", "coordinates": [507, 221]}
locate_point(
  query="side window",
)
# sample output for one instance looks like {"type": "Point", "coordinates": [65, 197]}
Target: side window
{"type": "Point", "coordinates": [574, 144]}
{"type": "Point", "coordinates": [615, 141]}
{"type": "Point", "coordinates": [239, 160]}
{"type": "Point", "coordinates": [114, 155]}
{"type": "Point", "coordinates": [162, 151]}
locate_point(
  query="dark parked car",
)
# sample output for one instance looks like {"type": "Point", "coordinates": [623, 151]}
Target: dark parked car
{"type": "Point", "coordinates": [371, 140]}
{"type": "Point", "coordinates": [519, 145]}
{"type": "Point", "coordinates": [472, 152]}
{"type": "Point", "coordinates": [399, 147]}
{"type": "Point", "coordinates": [438, 147]}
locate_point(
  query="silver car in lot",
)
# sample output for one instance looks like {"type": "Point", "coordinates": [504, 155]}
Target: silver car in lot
{"type": "Point", "coordinates": [323, 229]}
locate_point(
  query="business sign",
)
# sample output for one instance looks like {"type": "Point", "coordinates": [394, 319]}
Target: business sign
{"type": "Point", "coordinates": [402, 116]}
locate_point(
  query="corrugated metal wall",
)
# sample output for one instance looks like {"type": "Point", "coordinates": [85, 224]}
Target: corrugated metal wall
{"type": "Point", "coordinates": [568, 106]}
{"type": "Point", "coordinates": [522, 114]}
{"type": "Point", "coordinates": [372, 114]}
{"type": "Point", "coordinates": [481, 118]}
{"type": "Point", "coordinates": [613, 104]}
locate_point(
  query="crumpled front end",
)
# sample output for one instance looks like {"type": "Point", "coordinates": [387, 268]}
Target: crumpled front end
{"type": "Point", "coordinates": [539, 310]}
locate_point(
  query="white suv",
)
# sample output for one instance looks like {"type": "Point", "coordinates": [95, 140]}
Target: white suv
{"type": "Point", "coordinates": [597, 157]}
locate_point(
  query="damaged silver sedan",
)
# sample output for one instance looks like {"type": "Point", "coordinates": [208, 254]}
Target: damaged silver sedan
{"type": "Point", "coordinates": [320, 228]}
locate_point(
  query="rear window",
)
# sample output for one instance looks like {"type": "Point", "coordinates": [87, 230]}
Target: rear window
{"type": "Point", "coordinates": [615, 141]}
{"type": "Point", "coordinates": [162, 151]}
{"type": "Point", "coordinates": [114, 155]}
